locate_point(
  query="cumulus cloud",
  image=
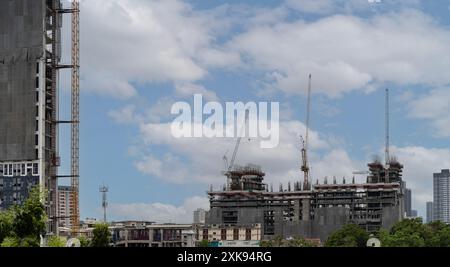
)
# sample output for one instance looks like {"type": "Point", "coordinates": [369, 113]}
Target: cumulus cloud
{"type": "Point", "coordinates": [159, 212]}
{"type": "Point", "coordinates": [346, 53]}
{"type": "Point", "coordinates": [201, 159]}
{"type": "Point", "coordinates": [420, 164]}
{"type": "Point", "coordinates": [435, 108]}
{"type": "Point", "coordinates": [129, 42]}
{"type": "Point", "coordinates": [324, 7]}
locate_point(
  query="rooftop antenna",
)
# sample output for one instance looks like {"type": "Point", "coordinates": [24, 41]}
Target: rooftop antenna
{"type": "Point", "coordinates": [104, 189]}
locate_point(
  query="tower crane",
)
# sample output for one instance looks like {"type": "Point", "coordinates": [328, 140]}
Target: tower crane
{"type": "Point", "coordinates": [236, 148]}
{"type": "Point", "coordinates": [305, 165]}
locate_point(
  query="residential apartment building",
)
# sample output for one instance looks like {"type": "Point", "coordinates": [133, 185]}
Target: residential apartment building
{"type": "Point", "coordinates": [441, 196]}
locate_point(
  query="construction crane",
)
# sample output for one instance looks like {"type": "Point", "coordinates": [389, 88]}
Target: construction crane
{"type": "Point", "coordinates": [75, 103]}
{"type": "Point", "coordinates": [305, 165]}
{"type": "Point", "coordinates": [387, 154]}
{"type": "Point", "coordinates": [236, 148]}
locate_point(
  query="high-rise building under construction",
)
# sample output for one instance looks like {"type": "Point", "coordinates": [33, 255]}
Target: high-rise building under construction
{"type": "Point", "coordinates": [29, 62]}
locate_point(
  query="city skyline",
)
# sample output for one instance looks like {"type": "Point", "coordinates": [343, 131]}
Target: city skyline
{"type": "Point", "coordinates": [129, 87]}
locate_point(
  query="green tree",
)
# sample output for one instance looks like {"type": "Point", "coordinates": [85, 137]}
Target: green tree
{"type": "Point", "coordinates": [439, 234]}
{"type": "Point", "coordinates": [6, 224]}
{"type": "Point", "coordinates": [204, 243]}
{"type": "Point", "coordinates": [406, 233]}
{"type": "Point", "coordinates": [300, 242]}
{"type": "Point", "coordinates": [266, 243]}
{"type": "Point", "coordinates": [351, 235]}
{"type": "Point", "coordinates": [102, 235]}
{"type": "Point", "coordinates": [84, 241]}
{"type": "Point", "coordinates": [30, 218]}
{"type": "Point", "coordinates": [56, 242]}
{"type": "Point", "coordinates": [10, 242]}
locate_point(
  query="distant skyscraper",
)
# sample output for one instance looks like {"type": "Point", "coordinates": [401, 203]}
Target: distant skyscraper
{"type": "Point", "coordinates": [199, 216]}
{"type": "Point", "coordinates": [441, 196]}
{"type": "Point", "coordinates": [65, 203]}
{"type": "Point", "coordinates": [413, 214]}
{"type": "Point", "coordinates": [429, 212]}
{"type": "Point", "coordinates": [407, 200]}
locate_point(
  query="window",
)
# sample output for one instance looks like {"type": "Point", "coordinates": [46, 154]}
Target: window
{"type": "Point", "coordinates": [37, 68]}
{"type": "Point", "coordinates": [223, 234]}
{"type": "Point", "coordinates": [37, 82]}
{"type": "Point", "coordinates": [22, 169]}
{"type": "Point", "coordinates": [235, 234]}
{"type": "Point", "coordinates": [248, 234]}
{"type": "Point", "coordinates": [37, 96]}
{"type": "Point", "coordinates": [1, 170]}
{"type": "Point", "coordinates": [37, 126]}
{"type": "Point", "coordinates": [36, 139]}
{"type": "Point", "coordinates": [35, 169]}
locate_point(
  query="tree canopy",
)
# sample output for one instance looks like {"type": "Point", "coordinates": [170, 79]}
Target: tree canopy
{"type": "Point", "coordinates": [23, 225]}
{"type": "Point", "coordinates": [351, 235]}
{"type": "Point", "coordinates": [102, 236]}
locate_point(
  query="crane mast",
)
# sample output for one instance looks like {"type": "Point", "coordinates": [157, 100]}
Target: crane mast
{"type": "Point", "coordinates": [305, 165]}
{"type": "Point", "coordinates": [75, 103]}
{"type": "Point", "coordinates": [236, 148]}
{"type": "Point", "coordinates": [387, 154]}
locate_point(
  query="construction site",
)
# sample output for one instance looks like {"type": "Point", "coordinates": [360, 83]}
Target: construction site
{"type": "Point", "coordinates": [307, 210]}
{"type": "Point", "coordinates": [30, 62]}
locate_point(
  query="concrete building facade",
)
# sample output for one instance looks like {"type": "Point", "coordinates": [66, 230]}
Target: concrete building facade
{"type": "Point", "coordinates": [408, 204]}
{"type": "Point", "coordinates": [65, 205]}
{"type": "Point", "coordinates": [215, 232]}
{"type": "Point", "coordinates": [148, 234]}
{"type": "Point", "coordinates": [29, 52]}
{"type": "Point", "coordinates": [429, 212]}
{"type": "Point", "coordinates": [315, 213]}
{"type": "Point", "coordinates": [199, 216]}
{"type": "Point", "coordinates": [441, 196]}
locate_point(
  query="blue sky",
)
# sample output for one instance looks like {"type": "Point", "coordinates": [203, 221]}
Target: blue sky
{"type": "Point", "coordinates": [140, 57]}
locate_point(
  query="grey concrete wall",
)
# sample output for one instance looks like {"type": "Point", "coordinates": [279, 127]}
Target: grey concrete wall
{"type": "Point", "coordinates": [21, 44]}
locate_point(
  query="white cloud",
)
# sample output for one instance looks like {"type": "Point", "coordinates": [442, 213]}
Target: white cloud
{"type": "Point", "coordinates": [189, 89]}
{"type": "Point", "coordinates": [434, 107]}
{"type": "Point", "coordinates": [420, 164]}
{"type": "Point", "coordinates": [347, 6]}
{"type": "Point", "coordinates": [347, 53]}
{"type": "Point", "coordinates": [200, 159]}
{"type": "Point", "coordinates": [129, 42]}
{"type": "Point", "coordinates": [125, 115]}
{"type": "Point", "coordinates": [159, 212]}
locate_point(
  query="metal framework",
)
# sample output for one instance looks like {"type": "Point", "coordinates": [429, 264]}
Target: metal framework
{"type": "Point", "coordinates": [305, 166]}
{"type": "Point", "coordinates": [75, 130]}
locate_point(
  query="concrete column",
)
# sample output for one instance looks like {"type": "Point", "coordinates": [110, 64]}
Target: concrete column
{"type": "Point", "coordinates": [306, 207]}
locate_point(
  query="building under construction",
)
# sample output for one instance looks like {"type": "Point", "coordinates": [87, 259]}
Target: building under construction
{"type": "Point", "coordinates": [314, 213]}
{"type": "Point", "coordinates": [30, 55]}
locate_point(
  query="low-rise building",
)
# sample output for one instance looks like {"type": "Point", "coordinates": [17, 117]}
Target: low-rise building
{"type": "Point", "coordinates": [148, 234]}
{"type": "Point", "coordinates": [223, 232]}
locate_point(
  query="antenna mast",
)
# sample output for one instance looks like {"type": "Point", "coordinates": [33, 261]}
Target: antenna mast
{"type": "Point", "coordinates": [104, 189]}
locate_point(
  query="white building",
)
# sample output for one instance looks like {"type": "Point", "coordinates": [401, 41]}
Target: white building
{"type": "Point", "coordinates": [199, 216]}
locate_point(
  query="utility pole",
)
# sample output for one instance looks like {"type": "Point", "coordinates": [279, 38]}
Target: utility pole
{"type": "Point", "coordinates": [104, 189]}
